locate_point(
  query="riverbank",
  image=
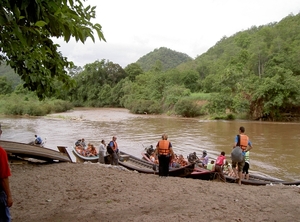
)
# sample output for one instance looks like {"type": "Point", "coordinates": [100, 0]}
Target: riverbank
{"type": "Point", "coordinates": [95, 192]}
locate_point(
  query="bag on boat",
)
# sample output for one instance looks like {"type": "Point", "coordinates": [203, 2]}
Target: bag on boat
{"type": "Point", "coordinates": [237, 154]}
{"type": "Point", "coordinates": [109, 149]}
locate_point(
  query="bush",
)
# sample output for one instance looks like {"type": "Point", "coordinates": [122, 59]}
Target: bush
{"type": "Point", "coordinates": [16, 104]}
{"type": "Point", "coordinates": [187, 108]}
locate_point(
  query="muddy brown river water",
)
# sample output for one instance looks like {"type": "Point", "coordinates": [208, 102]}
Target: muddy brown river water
{"type": "Point", "coordinates": [276, 149]}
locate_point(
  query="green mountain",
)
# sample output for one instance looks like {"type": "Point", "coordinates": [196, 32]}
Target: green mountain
{"type": "Point", "coordinates": [162, 59]}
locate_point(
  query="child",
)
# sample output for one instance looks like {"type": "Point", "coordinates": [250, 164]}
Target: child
{"type": "Point", "coordinates": [211, 165]}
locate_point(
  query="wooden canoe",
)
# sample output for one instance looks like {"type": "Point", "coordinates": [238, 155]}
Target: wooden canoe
{"type": "Point", "coordinates": [258, 180]}
{"type": "Point", "coordinates": [25, 150]}
{"type": "Point", "coordinates": [202, 174]}
{"type": "Point", "coordinates": [142, 166]}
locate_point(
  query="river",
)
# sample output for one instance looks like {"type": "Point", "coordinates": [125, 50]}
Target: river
{"type": "Point", "coordinates": [275, 144]}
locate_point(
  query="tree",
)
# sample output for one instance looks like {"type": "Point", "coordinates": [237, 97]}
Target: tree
{"type": "Point", "coordinates": [27, 29]}
{"type": "Point", "coordinates": [5, 86]}
{"type": "Point", "coordinates": [133, 70]}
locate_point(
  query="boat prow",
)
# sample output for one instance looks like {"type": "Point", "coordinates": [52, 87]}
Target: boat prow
{"type": "Point", "coordinates": [24, 150]}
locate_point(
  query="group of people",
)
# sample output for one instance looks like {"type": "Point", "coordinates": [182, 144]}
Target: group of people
{"type": "Point", "coordinates": [175, 162]}
{"type": "Point", "coordinates": [239, 168]}
{"type": "Point", "coordinates": [91, 151]}
{"type": "Point", "coordinates": [164, 155]}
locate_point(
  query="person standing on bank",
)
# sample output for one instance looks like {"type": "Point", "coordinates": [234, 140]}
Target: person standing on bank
{"type": "Point", "coordinates": [114, 156]}
{"type": "Point", "coordinates": [241, 140]}
{"type": "Point", "coordinates": [5, 193]}
{"type": "Point", "coordinates": [246, 166]}
{"type": "Point", "coordinates": [164, 152]}
{"type": "Point", "coordinates": [0, 131]}
{"type": "Point", "coordinates": [102, 151]}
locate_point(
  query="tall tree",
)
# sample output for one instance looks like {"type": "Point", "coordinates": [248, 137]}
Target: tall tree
{"type": "Point", "coordinates": [27, 28]}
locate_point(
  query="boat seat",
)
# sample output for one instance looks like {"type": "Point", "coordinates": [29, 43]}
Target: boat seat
{"type": "Point", "coordinates": [123, 158]}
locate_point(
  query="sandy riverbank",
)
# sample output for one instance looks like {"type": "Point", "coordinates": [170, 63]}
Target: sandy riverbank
{"type": "Point", "coordinates": [95, 192]}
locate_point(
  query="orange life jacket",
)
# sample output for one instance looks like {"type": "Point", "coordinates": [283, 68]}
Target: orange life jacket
{"type": "Point", "coordinates": [243, 141]}
{"type": "Point", "coordinates": [115, 147]}
{"type": "Point", "coordinates": [163, 147]}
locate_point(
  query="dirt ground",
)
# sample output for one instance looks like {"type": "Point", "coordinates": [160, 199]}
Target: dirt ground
{"type": "Point", "coordinates": [96, 192]}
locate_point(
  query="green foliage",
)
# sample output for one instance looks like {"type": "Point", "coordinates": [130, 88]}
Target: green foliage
{"type": "Point", "coordinates": [7, 72]}
{"type": "Point", "coordinates": [99, 84]}
{"type": "Point", "coordinates": [5, 86]}
{"type": "Point", "coordinates": [133, 70]}
{"type": "Point", "coordinates": [27, 28]}
{"type": "Point", "coordinates": [15, 104]}
{"type": "Point", "coordinates": [200, 96]}
{"type": "Point", "coordinates": [162, 59]}
{"type": "Point", "coordinates": [188, 108]}
{"type": "Point", "coordinates": [172, 94]}
{"type": "Point", "coordinates": [278, 93]}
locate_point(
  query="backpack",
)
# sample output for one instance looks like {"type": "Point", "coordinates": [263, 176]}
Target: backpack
{"type": "Point", "coordinates": [237, 153]}
{"type": "Point", "coordinates": [109, 149]}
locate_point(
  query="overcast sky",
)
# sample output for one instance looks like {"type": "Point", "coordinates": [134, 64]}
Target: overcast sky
{"type": "Point", "coordinates": [133, 28]}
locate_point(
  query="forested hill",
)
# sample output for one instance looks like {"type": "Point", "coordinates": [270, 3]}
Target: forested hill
{"type": "Point", "coordinates": [162, 59]}
{"type": "Point", "coordinates": [254, 50]}
{"type": "Point", "coordinates": [256, 70]}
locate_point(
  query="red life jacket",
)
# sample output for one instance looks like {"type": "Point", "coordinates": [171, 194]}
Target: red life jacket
{"type": "Point", "coordinates": [163, 147]}
{"type": "Point", "coordinates": [220, 160]}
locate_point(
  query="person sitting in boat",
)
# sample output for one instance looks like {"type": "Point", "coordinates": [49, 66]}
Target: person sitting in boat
{"type": "Point", "coordinates": [174, 162]}
{"type": "Point", "coordinates": [227, 169]}
{"type": "Point", "coordinates": [211, 165]}
{"type": "Point", "coordinates": [204, 159]}
{"type": "Point", "coordinates": [91, 150]}
{"type": "Point", "coordinates": [153, 159]}
{"type": "Point", "coordinates": [38, 140]}
{"type": "Point", "coordinates": [193, 158]}
{"type": "Point", "coordinates": [83, 143]}
{"type": "Point", "coordinates": [78, 143]}
{"type": "Point", "coordinates": [182, 161]}
{"type": "Point", "coordinates": [80, 150]}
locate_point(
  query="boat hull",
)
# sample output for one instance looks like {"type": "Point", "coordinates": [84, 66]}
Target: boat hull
{"type": "Point", "coordinates": [142, 166]}
{"type": "Point", "coordinates": [25, 150]}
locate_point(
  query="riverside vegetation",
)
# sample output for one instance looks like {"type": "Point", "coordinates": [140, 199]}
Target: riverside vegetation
{"type": "Point", "coordinates": [253, 74]}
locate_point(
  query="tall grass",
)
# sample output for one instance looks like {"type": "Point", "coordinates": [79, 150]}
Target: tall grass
{"type": "Point", "coordinates": [16, 104]}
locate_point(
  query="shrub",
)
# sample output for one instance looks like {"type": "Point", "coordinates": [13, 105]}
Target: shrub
{"type": "Point", "coordinates": [187, 108]}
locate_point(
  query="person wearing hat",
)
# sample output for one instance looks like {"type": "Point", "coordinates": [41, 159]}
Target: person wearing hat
{"type": "Point", "coordinates": [204, 159]}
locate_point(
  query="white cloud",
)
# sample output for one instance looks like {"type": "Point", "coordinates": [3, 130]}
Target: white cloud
{"type": "Point", "coordinates": [134, 28]}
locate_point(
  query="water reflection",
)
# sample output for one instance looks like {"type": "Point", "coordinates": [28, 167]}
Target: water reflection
{"type": "Point", "coordinates": [275, 145]}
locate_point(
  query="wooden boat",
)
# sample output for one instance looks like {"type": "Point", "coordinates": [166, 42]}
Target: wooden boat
{"type": "Point", "coordinates": [81, 158]}
{"type": "Point", "coordinates": [24, 150]}
{"type": "Point", "coordinates": [202, 174]}
{"type": "Point", "coordinates": [256, 180]}
{"type": "Point", "coordinates": [142, 166]}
